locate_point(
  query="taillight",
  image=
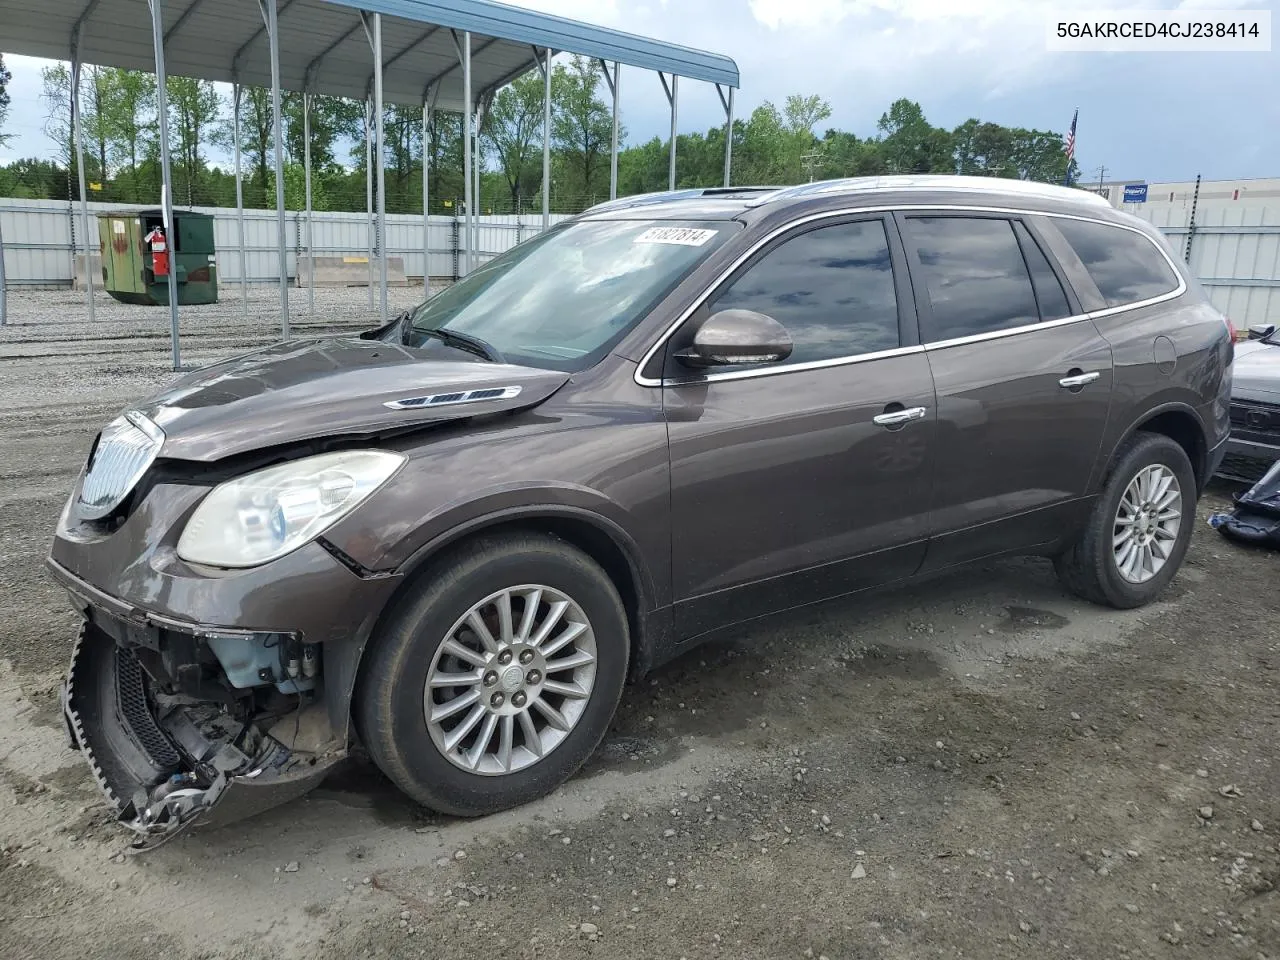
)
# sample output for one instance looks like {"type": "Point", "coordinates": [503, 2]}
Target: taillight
{"type": "Point", "coordinates": [1231, 328]}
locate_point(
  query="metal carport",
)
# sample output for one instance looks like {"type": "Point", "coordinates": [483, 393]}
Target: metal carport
{"type": "Point", "coordinates": [438, 54]}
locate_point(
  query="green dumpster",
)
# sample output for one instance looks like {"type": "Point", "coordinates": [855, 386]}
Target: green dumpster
{"type": "Point", "coordinates": [127, 272]}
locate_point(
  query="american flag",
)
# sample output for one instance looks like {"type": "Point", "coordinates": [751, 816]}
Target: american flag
{"type": "Point", "coordinates": [1069, 143]}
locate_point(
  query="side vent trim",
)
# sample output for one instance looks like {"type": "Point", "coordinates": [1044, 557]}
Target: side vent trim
{"type": "Point", "coordinates": [452, 399]}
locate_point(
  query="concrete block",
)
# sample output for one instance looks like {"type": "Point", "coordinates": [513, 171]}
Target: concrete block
{"type": "Point", "coordinates": [349, 271]}
{"type": "Point", "coordinates": [78, 283]}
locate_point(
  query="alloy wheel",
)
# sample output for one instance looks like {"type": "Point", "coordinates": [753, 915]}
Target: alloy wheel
{"type": "Point", "coordinates": [511, 679]}
{"type": "Point", "coordinates": [1146, 523]}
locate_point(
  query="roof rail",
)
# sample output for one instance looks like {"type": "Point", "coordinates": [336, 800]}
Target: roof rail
{"type": "Point", "coordinates": [667, 196]}
{"type": "Point", "coordinates": [1028, 188]}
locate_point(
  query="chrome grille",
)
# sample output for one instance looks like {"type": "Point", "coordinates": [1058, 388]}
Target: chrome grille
{"type": "Point", "coordinates": [127, 447]}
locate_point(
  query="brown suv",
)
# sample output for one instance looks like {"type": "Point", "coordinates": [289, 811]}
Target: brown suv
{"type": "Point", "coordinates": [452, 540]}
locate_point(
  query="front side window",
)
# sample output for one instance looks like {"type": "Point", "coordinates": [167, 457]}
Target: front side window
{"type": "Point", "coordinates": [564, 298]}
{"type": "Point", "coordinates": [831, 287]}
{"type": "Point", "coordinates": [1125, 265]}
{"type": "Point", "coordinates": [975, 275]}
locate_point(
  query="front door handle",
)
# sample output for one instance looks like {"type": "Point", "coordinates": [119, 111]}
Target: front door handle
{"type": "Point", "coordinates": [895, 418]}
{"type": "Point", "coordinates": [1077, 380]}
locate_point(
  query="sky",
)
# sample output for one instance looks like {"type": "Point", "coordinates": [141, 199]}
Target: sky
{"type": "Point", "coordinates": [1143, 116]}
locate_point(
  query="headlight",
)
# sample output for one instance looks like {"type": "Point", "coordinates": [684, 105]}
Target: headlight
{"type": "Point", "coordinates": [262, 516]}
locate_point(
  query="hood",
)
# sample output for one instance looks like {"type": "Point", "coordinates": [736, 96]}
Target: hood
{"type": "Point", "coordinates": [1255, 374]}
{"type": "Point", "coordinates": [302, 390]}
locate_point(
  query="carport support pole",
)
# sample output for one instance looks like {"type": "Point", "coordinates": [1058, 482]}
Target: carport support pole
{"type": "Point", "coordinates": [728, 136]}
{"type": "Point", "coordinates": [675, 96]}
{"type": "Point", "coordinates": [166, 174]}
{"type": "Point", "coordinates": [236, 92]}
{"type": "Point", "coordinates": [466, 144]}
{"type": "Point", "coordinates": [546, 142]}
{"type": "Point", "coordinates": [306, 176]}
{"type": "Point", "coordinates": [382, 167]}
{"type": "Point", "coordinates": [368, 188]}
{"type": "Point", "coordinates": [4, 293]}
{"type": "Point", "coordinates": [273, 38]}
{"type": "Point", "coordinates": [672, 93]}
{"type": "Point", "coordinates": [426, 199]}
{"type": "Point", "coordinates": [614, 84]}
{"type": "Point", "coordinates": [84, 199]}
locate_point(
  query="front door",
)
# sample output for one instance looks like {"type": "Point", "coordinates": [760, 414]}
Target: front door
{"type": "Point", "coordinates": [1023, 383]}
{"type": "Point", "coordinates": [808, 478]}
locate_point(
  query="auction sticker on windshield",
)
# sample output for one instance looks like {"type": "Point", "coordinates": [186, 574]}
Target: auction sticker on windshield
{"type": "Point", "coordinates": [684, 236]}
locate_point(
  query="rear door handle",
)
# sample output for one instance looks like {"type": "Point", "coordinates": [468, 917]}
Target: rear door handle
{"type": "Point", "coordinates": [897, 417]}
{"type": "Point", "coordinates": [1079, 379]}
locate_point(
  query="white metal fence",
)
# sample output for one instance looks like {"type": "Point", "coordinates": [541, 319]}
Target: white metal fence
{"type": "Point", "coordinates": [1234, 240]}
{"type": "Point", "coordinates": [38, 235]}
{"type": "Point", "coordinates": [1231, 232]}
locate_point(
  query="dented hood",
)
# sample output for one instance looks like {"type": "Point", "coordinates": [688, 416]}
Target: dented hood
{"type": "Point", "coordinates": [302, 390]}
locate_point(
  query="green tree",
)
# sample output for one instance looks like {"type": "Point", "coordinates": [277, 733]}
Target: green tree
{"type": "Point", "coordinates": [95, 123]}
{"type": "Point", "coordinates": [581, 127]}
{"type": "Point", "coordinates": [1038, 155]}
{"type": "Point", "coordinates": [5, 78]}
{"type": "Point", "coordinates": [56, 94]}
{"type": "Point", "coordinates": [513, 129]}
{"type": "Point", "coordinates": [128, 114]}
{"type": "Point", "coordinates": [195, 110]}
{"type": "Point", "coordinates": [256, 141]}
{"type": "Point", "coordinates": [910, 144]}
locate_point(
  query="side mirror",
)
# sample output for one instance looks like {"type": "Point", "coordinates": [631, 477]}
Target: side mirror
{"type": "Point", "coordinates": [1260, 331]}
{"type": "Point", "coordinates": [737, 336]}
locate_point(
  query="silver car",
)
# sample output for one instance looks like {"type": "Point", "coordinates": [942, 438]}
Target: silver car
{"type": "Point", "coordinates": [1255, 405]}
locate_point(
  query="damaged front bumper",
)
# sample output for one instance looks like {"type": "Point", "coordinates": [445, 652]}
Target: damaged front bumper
{"type": "Point", "coordinates": [166, 758]}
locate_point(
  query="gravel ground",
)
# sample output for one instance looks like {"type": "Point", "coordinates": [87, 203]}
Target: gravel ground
{"type": "Point", "coordinates": [978, 766]}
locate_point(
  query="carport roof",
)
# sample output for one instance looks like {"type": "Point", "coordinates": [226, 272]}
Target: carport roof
{"type": "Point", "coordinates": [323, 46]}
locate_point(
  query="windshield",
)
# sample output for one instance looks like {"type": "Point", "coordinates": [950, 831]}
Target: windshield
{"type": "Point", "coordinates": [564, 298]}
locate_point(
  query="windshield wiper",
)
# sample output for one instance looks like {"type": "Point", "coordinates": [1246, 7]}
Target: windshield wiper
{"type": "Point", "coordinates": [462, 341]}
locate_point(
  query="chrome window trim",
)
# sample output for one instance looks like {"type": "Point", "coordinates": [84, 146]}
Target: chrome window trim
{"type": "Point", "coordinates": [751, 251]}
{"type": "Point", "coordinates": [788, 368]}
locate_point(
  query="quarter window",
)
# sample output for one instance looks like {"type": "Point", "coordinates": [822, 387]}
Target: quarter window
{"type": "Point", "coordinates": [831, 287]}
{"type": "Point", "coordinates": [1125, 265]}
{"type": "Point", "coordinates": [975, 275]}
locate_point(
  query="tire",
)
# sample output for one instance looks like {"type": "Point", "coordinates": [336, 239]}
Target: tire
{"type": "Point", "coordinates": [392, 705]}
{"type": "Point", "coordinates": [1090, 567]}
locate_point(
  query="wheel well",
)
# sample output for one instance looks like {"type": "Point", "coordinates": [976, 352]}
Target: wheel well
{"type": "Point", "coordinates": [583, 534]}
{"type": "Point", "coordinates": [1183, 429]}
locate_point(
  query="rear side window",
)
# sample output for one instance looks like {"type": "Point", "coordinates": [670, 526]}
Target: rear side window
{"type": "Point", "coordinates": [975, 275]}
{"type": "Point", "coordinates": [831, 287]}
{"type": "Point", "coordinates": [1124, 264]}
{"type": "Point", "coordinates": [1049, 293]}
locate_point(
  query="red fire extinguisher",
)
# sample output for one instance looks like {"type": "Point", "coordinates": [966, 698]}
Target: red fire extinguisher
{"type": "Point", "coordinates": [159, 252]}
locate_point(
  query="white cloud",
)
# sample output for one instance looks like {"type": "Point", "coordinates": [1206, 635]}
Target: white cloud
{"type": "Point", "coordinates": [777, 14]}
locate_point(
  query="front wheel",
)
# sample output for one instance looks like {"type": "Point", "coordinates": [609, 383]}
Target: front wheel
{"type": "Point", "coordinates": [491, 686]}
{"type": "Point", "coordinates": [1139, 529]}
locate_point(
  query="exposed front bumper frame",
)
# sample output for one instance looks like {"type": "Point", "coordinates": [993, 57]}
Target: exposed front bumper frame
{"type": "Point", "coordinates": [161, 781]}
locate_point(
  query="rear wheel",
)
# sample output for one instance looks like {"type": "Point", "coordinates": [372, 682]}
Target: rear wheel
{"type": "Point", "coordinates": [492, 685]}
{"type": "Point", "coordinates": [1139, 529]}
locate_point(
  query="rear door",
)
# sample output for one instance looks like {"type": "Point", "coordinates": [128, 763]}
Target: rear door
{"type": "Point", "coordinates": [1023, 382]}
{"type": "Point", "coordinates": [805, 479]}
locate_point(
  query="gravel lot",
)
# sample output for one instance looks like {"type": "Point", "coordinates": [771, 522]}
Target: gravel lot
{"type": "Point", "coordinates": [979, 766]}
